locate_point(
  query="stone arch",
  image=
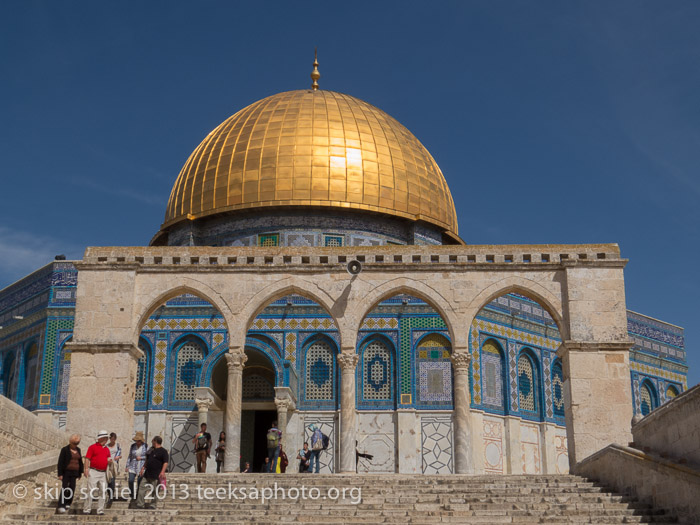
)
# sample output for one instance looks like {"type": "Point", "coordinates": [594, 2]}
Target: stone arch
{"type": "Point", "coordinates": [530, 289]}
{"type": "Point", "coordinates": [273, 292]}
{"type": "Point", "coordinates": [417, 289]}
{"type": "Point", "coordinates": [187, 286]}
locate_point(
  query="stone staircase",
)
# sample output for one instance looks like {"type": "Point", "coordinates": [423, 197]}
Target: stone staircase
{"type": "Point", "coordinates": [368, 498]}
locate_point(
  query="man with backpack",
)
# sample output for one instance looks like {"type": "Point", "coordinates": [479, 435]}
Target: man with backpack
{"type": "Point", "coordinates": [202, 443]}
{"type": "Point", "coordinates": [274, 436]}
{"type": "Point", "coordinates": [317, 445]}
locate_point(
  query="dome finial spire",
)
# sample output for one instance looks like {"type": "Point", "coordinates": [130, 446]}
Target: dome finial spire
{"type": "Point", "coordinates": [315, 75]}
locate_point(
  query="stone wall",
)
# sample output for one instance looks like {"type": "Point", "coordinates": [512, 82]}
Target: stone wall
{"type": "Point", "coordinates": [673, 430]}
{"type": "Point", "coordinates": [648, 477]}
{"type": "Point", "coordinates": [23, 434]}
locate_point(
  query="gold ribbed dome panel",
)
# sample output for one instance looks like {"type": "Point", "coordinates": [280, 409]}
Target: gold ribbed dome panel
{"type": "Point", "coordinates": [312, 148]}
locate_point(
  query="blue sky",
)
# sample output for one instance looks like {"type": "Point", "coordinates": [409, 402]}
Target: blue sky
{"type": "Point", "coordinates": [554, 122]}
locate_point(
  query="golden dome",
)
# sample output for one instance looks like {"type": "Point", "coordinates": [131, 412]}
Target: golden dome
{"type": "Point", "coordinates": [312, 148]}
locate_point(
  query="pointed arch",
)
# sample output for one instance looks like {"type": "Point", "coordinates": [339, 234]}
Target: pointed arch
{"type": "Point", "coordinates": [493, 375]}
{"type": "Point", "coordinates": [376, 372]}
{"type": "Point", "coordinates": [320, 372]}
{"type": "Point", "coordinates": [529, 383]}
{"type": "Point", "coordinates": [648, 396]}
{"type": "Point", "coordinates": [405, 286]}
{"type": "Point", "coordinates": [530, 289]}
{"type": "Point", "coordinates": [186, 286]}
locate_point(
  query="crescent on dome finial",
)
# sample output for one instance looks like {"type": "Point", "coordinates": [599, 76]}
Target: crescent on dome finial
{"type": "Point", "coordinates": [315, 75]}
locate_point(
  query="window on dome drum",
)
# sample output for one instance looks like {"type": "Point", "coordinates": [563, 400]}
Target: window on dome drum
{"type": "Point", "coordinates": [527, 385]}
{"type": "Point", "coordinates": [557, 389]}
{"type": "Point", "coordinates": [189, 363]}
{"type": "Point", "coordinates": [671, 392]}
{"type": "Point", "coordinates": [377, 373]}
{"type": "Point", "coordinates": [269, 239]}
{"type": "Point", "coordinates": [142, 373]}
{"type": "Point", "coordinates": [492, 373]}
{"type": "Point", "coordinates": [647, 398]}
{"type": "Point", "coordinates": [320, 372]}
{"type": "Point", "coordinates": [333, 240]}
{"type": "Point", "coordinates": [434, 370]}
{"type": "Point", "coordinates": [31, 363]}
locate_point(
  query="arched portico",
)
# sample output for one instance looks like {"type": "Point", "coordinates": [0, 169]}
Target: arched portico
{"type": "Point", "coordinates": [581, 286]}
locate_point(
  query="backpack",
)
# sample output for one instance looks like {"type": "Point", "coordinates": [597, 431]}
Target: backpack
{"type": "Point", "coordinates": [317, 442]}
{"type": "Point", "coordinates": [273, 439]}
{"type": "Point", "coordinates": [326, 440]}
{"type": "Point", "coordinates": [202, 442]}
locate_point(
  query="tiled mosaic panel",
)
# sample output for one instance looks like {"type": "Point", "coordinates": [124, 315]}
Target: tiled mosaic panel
{"type": "Point", "coordinates": [377, 371]}
{"type": "Point", "coordinates": [646, 400]}
{"type": "Point", "coordinates": [436, 444]}
{"type": "Point", "coordinates": [434, 372]}
{"type": "Point", "coordinates": [320, 372]}
{"type": "Point", "coordinates": [57, 330]}
{"type": "Point", "coordinates": [493, 445]}
{"type": "Point", "coordinates": [159, 371]}
{"type": "Point", "coordinates": [327, 425]}
{"type": "Point", "coordinates": [492, 371]}
{"type": "Point", "coordinates": [526, 385]}
{"type": "Point", "coordinates": [406, 326]}
{"type": "Point", "coordinates": [187, 370]}
{"type": "Point", "coordinates": [181, 451]}
{"type": "Point", "coordinates": [547, 375]}
{"type": "Point", "coordinates": [513, 367]}
{"type": "Point", "coordinates": [142, 373]}
{"type": "Point", "coordinates": [655, 371]}
{"type": "Point", "coordinates": [558, 390]}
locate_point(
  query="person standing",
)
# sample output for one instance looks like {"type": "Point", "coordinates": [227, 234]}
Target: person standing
{"type": "Point", "coordinates": [304, 456]}
{"type": "Point", "coordinates": [220, 451]}
{"type": "Point", "coordinates": [274, 436]}
{"type": "Point", "coordinates": [97, 459]}
{"type": "Point", "coordinates": [115, 451]}
{"type": "Point", "coordinates": [316, 448]}
{"type": "Point", "coordinates": [134, 462]}
{"type": "Point", "coordinates": [202, 443]}
{"type": "Point", "coordinates": [70, 469]}
{"type": "Point", "coordinates": [151, 472]}
{"type": "Point", "coordinates": [283, 460]}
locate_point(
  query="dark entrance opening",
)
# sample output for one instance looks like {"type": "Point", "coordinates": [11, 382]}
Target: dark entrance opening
{"type": "Point", "coordinates": [254, 427]}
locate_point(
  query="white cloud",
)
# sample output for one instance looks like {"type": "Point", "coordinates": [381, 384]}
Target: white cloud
{"type": "Point", "coordinates": [24, 252]}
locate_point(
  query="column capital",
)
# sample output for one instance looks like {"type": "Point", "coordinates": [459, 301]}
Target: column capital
{"type": "Point", "coordinates": [348, 361]}
{"type": "Point", "coordinates": [461, 360]}
{"type": "Point", "coordinates": [284, 404]}
{"type": "Point", "coordinates": [203, 403]}
{"type": "Point", "coordinates": [235, 361]}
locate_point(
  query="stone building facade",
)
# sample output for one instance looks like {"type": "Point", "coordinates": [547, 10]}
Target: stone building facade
{"type": "Point", "coordinates": [431, 355]}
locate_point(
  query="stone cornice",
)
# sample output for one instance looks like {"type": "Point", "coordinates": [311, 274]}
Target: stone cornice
{"type": "Point", "coordinates": [104, 348]}
{"type": "Point", "coordinates": [594, 346]}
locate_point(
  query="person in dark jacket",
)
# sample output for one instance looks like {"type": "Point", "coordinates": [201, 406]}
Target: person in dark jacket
{"type": "Point", "coordinates": [70, 469]}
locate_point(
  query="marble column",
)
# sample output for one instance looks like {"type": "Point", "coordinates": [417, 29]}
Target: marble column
{"type": "Point", "coordinates": [284, 406]}
{"type": "Point", "coordinates": [203, 405]}
{"type": "Point", "coordinates": [235, 360]}
{"type": "Point", "coordinates": [348, 418]}
{"type": "Point", "coordinates": [462, 400]}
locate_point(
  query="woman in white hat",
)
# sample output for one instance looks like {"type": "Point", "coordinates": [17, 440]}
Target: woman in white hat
{"type": "Point", "coordinates": [135, 461]}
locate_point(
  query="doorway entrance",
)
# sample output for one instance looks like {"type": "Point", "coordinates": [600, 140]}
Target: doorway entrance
{"type": "Point", "coordinates": [254, 427]}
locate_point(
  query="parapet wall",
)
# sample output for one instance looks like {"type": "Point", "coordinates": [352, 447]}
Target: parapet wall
{"type": "Point", "coordinates": [22, 434]}
{"type": "Point", "coordinates": [673, 430]}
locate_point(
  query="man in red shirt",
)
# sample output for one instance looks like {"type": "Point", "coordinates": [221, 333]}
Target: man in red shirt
{"type": "Point", "coordinates": [97, 460]}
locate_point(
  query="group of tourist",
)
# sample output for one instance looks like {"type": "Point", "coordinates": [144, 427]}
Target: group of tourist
{"type": "Point", "coordinates": [276, 460]}
{"type": "Point", "coordinates": [145, 466]}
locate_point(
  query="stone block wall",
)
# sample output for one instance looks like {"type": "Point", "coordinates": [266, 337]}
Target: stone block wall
{"type": "Point", "coordinates": [23, 434]}
{"type": "Point", "coordinates": [673, 430]}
